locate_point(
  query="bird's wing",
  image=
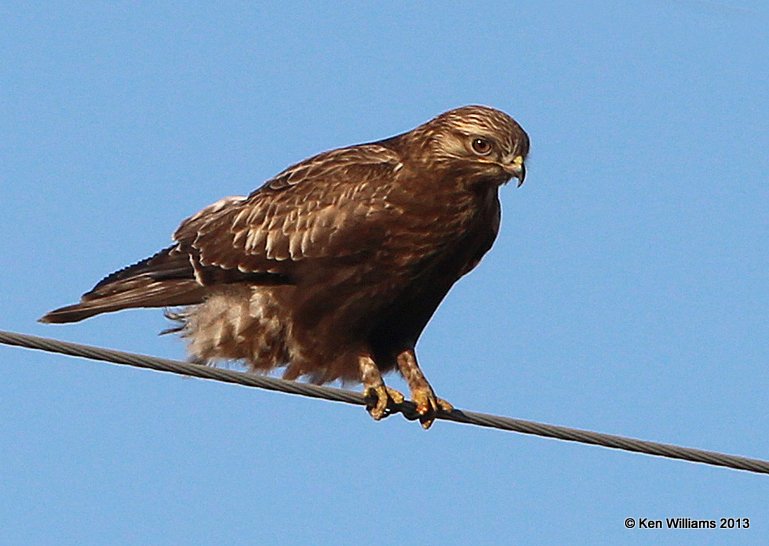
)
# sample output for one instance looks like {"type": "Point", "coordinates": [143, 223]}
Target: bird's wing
{"type": "Point", "coordinates": [324, 207]}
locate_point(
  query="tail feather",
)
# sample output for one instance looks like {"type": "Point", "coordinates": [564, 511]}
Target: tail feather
{"type": "Point", "coordinates": [169, 263]}
{"type": "Point", "coordinates": [166, 279]}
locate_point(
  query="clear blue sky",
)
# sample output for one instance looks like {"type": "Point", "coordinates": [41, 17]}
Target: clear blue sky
{"type": "Point", "coordinates": [627, 293]}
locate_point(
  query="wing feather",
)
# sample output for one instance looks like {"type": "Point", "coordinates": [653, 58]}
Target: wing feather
{"type": "Point", "coordinates": [315, 209]}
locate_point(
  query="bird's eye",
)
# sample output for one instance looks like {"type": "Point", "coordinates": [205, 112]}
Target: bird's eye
{"type": "Point", "coordinates": [481, 146]}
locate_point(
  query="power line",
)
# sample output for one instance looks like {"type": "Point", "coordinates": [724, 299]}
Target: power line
{"type": "Point", "coordinates": [407, 408]}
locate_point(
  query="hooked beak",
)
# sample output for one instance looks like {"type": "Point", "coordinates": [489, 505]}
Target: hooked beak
{"type": "Point", "coordinates": [517, 169]}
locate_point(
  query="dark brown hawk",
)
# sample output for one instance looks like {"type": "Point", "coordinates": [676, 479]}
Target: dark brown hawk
{"type": "Point", "coordinates": [334, 267]}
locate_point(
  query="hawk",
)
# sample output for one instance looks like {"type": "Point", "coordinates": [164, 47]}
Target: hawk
{"type": "Point", "coordinates": [332, 268]}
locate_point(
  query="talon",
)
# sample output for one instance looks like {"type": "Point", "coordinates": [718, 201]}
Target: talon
{"type": "Point", "coordinates": [445, 406]}
{"type": "Point", "coordinates": [380, 399]}
{"type": "Point", "coordinates": [395, 396]}
{"type": "Point", "coordinates": [429, 405]}
{"type": "Point", "coordinates": [376, 401]}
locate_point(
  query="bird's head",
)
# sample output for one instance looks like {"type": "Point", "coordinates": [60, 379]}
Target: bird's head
{"type": "Point", "coordinates": [475, 140]}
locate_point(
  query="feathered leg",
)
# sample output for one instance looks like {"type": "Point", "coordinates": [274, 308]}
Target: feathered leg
{"type": "Point", "coordinates": [422, 394]}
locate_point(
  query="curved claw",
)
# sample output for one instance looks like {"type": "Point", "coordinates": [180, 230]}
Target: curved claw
{"type": "Point", "coordinates": [380, 399]}
{"type": "Point", "coordinates": [429, 405]}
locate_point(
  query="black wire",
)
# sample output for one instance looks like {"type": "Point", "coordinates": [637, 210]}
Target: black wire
{"type": "Point", "coordinates": [407, 408]}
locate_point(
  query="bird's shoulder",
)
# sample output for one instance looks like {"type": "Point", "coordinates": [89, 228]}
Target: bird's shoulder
{"type": "Point", "coordinates": [304, 211]}
{"type": "Point", "coordinates": [351, 165]}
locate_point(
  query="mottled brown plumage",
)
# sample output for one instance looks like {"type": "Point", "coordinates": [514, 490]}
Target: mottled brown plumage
{"type": "Point", "coordinates": [333, 267]}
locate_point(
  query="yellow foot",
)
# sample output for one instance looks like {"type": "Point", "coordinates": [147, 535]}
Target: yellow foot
{"type": "Point", "coordinates": [379, 399]}
{"type": "Point", "coordinates": [429, 405]}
